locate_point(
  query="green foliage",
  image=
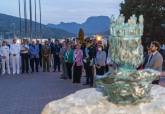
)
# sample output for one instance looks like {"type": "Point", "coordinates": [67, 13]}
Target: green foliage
{"type": "Point", "coordinates": [81, 35]}
{"type": "Point", "coordinates": [153, 11]}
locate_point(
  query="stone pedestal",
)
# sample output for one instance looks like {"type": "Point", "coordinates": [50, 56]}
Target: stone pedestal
{"type": "Point", "coordinates": [90, 101]}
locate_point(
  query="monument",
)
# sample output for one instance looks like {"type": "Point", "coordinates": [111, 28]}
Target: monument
{"type": "Point", "coordinates": [127, 85]}
{"type": "Point", "coordinates": [124, 91]}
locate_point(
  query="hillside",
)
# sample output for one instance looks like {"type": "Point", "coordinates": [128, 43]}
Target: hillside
{"type": "Point", "coordinates": [9, 24]}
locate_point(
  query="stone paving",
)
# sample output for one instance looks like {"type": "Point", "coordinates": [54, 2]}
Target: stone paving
{"type": "Point", "coordinates": [28, 94]}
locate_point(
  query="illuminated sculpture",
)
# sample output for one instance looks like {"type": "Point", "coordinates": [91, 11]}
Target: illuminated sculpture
{"type": "Point", "coordinates": [127, 85]}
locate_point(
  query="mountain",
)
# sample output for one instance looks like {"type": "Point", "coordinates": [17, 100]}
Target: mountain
{"type": "Point", "coordinates": [93, 25]}
{"type": "Point", "coordinates": [70, 27]}
{"type": "Point", "coordinates": [10, 24]}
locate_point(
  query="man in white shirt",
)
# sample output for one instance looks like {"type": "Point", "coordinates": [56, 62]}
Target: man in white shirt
{"type": "Point", "coordinates": [15, 56]}
{"type": "Point", "coordinates": [4, 51]}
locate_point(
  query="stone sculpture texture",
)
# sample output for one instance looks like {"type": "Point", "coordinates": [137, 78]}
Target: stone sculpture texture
{"type": "Point", "coordinates": [127, 85]}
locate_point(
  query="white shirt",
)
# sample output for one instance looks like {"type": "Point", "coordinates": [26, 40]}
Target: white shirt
{"type": "Point", "coordinates": [154, 53]}
{"type": "Point", "coordinates": [163, 47]}
{"type": "Point", "coordinates": [24, 48]}
{"type": "Point", "coordinates": [15, 49]}
{"type": "Point", "coordinates": [4, 51]}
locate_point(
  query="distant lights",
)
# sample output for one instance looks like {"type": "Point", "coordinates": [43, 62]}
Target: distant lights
{"type": "Point", "coordinates": [18, 41]}
{"type": "Point", "coordinates": [98, 38]}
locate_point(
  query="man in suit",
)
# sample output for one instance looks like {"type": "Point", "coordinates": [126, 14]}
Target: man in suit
{"type": "Point", "coordinates": [155, 60]}
{"type": "Point", "coordinates": [56, 55]}
{"type": "Point", "coordinates": [40, 52]}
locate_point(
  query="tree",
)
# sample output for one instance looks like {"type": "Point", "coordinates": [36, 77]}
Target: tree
{"type": "Point", "coordinates": [81, 35]}
{"type": "Point", "coordinates": [153, 12]}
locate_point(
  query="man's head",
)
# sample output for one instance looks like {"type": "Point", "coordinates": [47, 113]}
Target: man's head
{"type": "Point", "coordinates": [56, 42]}
{"type": "Point", "coordinates": [155, 46]}
{"type": "Point", "coordinates": [46, 42]}
{"type": "Point", "coordinates": [49, 40]}
{"type": "Point", "coordinates": [33, 42]}
{"type": "Point", "coordinates": [37, 41]}
{"type": "Point", "coordinates": [25, 41]}
{"type": "Point", "coordinates": [3, 43]}
{"type": "Point", "coordinates": [14, 41]}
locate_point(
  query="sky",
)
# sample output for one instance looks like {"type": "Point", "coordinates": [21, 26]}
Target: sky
{"type": "Point", "coordinates": [56, 11]}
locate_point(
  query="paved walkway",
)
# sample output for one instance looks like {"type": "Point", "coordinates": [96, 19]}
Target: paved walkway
{"type": "Point", "coordinates": [28, 94]}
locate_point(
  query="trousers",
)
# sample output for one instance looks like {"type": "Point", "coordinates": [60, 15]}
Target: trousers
{"type": "Point", "coordinates": [16, 64]}
{"type": "Point", "coordinates": [5, 64]}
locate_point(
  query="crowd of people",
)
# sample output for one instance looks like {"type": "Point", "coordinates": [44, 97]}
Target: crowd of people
{"type": "Point", "coordinates": [69, 57]}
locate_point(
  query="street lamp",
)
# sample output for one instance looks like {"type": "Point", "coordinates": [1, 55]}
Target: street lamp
{"type": "Point", "coordinates": [98, 38]}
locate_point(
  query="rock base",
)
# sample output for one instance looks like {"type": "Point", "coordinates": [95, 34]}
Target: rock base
{"type": "Point", "coordinates": [90, 101]}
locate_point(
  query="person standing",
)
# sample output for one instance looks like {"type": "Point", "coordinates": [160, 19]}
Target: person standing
{"type": "Point", "coordinates": [40, 52]}
{"type": "Point", "coordinates": [68, 57]}
{"type": "Point", "coordinates": [155, 61]}
{"type": "Point", "coordinates": [78, 63]}
{"type": "Point", "coordinates": [46, 51]}
{"type": "Point", "coordinates": [56, 55]}
{"type": "Point", "coordinates": [15, 56]}
{"type": "Point", "coordinates": [4, 51]}
{"type": "Point", "coordinates": [89, 64]}
{"type": "Point", "coordinates": [25, 56]}
{"type": "Point", "coordinates": [100, 61]}
{"type": "Point", "coordinates": [34, 56]}
{"type": "Point", "coordinates": [62, 54]}
{"type": "Point", "coordinates": [51, 45]}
